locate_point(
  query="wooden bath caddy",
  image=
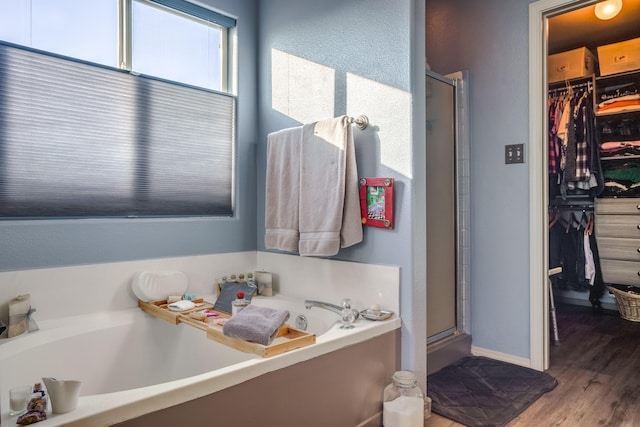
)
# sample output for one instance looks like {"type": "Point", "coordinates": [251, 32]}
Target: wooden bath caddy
{"type": "Point", "coordinates": [288, 338]}
{"type": "Point", "coordinates": [160, 309]}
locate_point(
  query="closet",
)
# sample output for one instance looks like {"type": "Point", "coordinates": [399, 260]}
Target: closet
{"type": "Point", "coordinates": [594, 157]}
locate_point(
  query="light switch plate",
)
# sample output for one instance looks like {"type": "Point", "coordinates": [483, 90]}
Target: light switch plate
{"type": "Point", "coordinates": [513, 154]}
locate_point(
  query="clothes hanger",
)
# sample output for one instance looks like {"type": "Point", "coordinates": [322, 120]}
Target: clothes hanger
{"type": "Point", "coordinates": [584, 219]}
{"type": "Point", "coordinates": [554, 217]}
{"type": "Point", "coordinates": [589, 230]}
{"type": "Point", "coordinates": [569, 222]}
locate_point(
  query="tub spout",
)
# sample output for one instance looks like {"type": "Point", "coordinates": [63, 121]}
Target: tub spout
{"type": "Point", "coordinates": [326, 305]}
{"type": "Point", "coordinates": [346, 313]}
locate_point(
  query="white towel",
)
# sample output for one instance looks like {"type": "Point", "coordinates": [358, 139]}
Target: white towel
{"type": "Point", "coordinates": [329, 215]}
{"type": "Point", "coordinates": [282, 190]}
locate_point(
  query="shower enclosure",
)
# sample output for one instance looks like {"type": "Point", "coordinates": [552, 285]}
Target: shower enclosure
{"type": "Point", "coordinates": [447, 175]}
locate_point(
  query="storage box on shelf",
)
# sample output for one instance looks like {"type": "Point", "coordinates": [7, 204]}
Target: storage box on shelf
{"type": "Point", "coordinates": [619, 57]}
{"type": "Point", "coordinates": [571, 64]}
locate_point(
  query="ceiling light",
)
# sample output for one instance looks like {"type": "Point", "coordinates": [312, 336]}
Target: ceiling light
{"type": "Point", "coordinates": [608, 9]}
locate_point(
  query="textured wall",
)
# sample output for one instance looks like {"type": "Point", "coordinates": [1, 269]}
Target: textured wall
{"type": "Point", "coordinates": [36, 244]}
{"type": "Point", "coordinates": [490, 39]}
{"type": "Point", "coordinates": [330, 58]}
{"type": "Point", "coordinates": [324, 59]}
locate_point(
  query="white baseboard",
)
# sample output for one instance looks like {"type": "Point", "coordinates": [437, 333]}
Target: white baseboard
{"type": "Point", "coordinates": [503, 357]}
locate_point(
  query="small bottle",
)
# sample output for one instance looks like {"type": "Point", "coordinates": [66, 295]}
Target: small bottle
{"type": "Point", "coordinates": [38, 401]}
{"type": "Point", "coordinates": [239, 303]}
{"type": "Point", "coordinates": [403, 402]}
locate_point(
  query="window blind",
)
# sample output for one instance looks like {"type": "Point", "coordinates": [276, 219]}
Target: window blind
{"type": "Point", "coordinates": [80, 140]}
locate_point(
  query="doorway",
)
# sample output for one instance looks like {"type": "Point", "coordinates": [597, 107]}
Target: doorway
{"type": "Point", "coordinates": [539, 11]}
{"type": "Point", "coordinates": [541, 44]}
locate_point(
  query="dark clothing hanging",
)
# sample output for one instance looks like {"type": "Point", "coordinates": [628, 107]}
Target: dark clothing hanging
{"type": "Point", "coordinates": [575, 173]}
{"type": "Point", "coordinates": [571, 151]}
{"type": "Point", "coordinates": [597, 290]}
{"type": "Point", "coordinates": [568, 252]}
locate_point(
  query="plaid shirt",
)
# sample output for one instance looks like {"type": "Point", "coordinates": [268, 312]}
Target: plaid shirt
{"type": "Point", "coordinates": [554, 141]}
{"type": "Point", "coordinates": [583, 173]}
{"type": "Point", "coordinates": [583, 165]}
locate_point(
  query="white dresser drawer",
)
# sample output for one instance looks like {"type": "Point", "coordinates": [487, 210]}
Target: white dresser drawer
{"type": "Point", "coordinates": [620, 272]}
{"type": "Point", "coordinates": [620, 249]}
{"type": "Point", "coordinates": [618, 206]}
{"type": "Point", "coordinates": [625, 226]}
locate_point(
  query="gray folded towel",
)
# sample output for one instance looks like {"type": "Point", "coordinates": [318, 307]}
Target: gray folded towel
{"type": "Point", "coordinates": [256, 324]}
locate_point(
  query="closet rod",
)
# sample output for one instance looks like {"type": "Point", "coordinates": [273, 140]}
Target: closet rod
{"type": "Point", "coordinates": [572, 204]}
{"type": "Point", "coordinates": [575, 207]}
{"type": "Point", "coordinates": [588, 85]}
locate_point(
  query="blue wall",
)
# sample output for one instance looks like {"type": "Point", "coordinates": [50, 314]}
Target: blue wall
{"type": "Point", "coordinates": [324, 59]}
{"type": "Point", "coordinates": [35, 244]}
{"type": "Point", "coordinates": [490, 39]}
{"type": "Point", "coordinates": [354, 57]}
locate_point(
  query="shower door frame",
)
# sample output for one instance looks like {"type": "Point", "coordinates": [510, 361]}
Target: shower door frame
{"type": "Point", "coordinates": [459, 83]}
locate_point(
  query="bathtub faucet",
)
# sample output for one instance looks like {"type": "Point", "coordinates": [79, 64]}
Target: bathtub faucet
{"type": "Point", "coordinates": [346, 313]}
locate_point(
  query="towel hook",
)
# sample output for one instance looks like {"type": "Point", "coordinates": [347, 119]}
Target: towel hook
{"type": "Point", "coordinates": [361, 121]}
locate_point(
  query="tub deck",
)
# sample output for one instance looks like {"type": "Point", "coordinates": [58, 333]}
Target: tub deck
{"type": "Point", "coordinates": [174, 363]}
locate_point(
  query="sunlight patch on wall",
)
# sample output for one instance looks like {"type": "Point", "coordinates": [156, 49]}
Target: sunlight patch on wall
{"type": "Point", "coordinates": [389, 110]}
{"type": "Point", "coordinates": [301, 89]}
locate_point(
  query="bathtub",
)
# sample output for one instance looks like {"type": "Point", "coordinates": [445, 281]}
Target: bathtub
{"type": "Point", "coordinates": [132, 364]}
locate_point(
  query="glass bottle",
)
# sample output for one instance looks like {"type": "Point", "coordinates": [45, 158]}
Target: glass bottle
{"type": "Point", "coordinates": [403, 401]}
{"type": "Point", "coordinates": [38, 401]}
{"type": "Point", "coordinates": [238, 304]}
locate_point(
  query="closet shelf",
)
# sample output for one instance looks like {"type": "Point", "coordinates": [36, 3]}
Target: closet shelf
{"type": "Point", "coordinates": [615, 113]}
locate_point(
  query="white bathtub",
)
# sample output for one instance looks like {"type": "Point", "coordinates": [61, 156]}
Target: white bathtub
{"type": "Point", "coordinates": [131, 363]}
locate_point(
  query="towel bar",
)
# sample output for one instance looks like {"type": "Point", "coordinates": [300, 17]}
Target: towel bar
{"type": "Point", "coordinates": [361, 121]}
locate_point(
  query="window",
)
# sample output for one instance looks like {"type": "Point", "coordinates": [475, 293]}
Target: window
{"type": "Point", "coordinates": [190, 53]}
{"type": "Point", "coordinates": [86, 30]}
{"type": "Point", "coordinates": [81, 138]}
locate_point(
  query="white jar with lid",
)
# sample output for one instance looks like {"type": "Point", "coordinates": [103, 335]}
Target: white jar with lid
{"type": "Point", "coordinates": [403, 402]}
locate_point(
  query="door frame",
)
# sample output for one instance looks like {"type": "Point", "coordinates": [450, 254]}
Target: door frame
{"type": "Point", "coordinates": [539, 11]}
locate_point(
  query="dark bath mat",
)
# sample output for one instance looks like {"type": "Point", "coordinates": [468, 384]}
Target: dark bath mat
{"type": "Point", "coordinates": [482, 392]}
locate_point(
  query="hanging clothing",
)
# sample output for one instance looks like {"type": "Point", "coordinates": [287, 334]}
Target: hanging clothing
{"type": "Point", "coordinates": [589, 263]}
{"type": "Point", "coordinates": [574, 160]}
{"type": "Point", "coordinates": [572, 246]}
{"type": "Point", "coordinates": [597, 289]}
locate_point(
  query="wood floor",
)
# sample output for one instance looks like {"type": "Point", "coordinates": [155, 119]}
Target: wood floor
{"type": "Point", "coordinates": [597, 365]}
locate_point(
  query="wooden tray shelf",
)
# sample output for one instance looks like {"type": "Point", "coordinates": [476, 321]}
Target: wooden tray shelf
{"type": "Point", "coordinates": [288, 338]}
{"type": "Point", "coordinates": [160, 310]}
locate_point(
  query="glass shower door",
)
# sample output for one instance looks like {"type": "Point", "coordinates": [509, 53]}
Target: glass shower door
{"type": "Point", "coordinates": [442, 214]}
